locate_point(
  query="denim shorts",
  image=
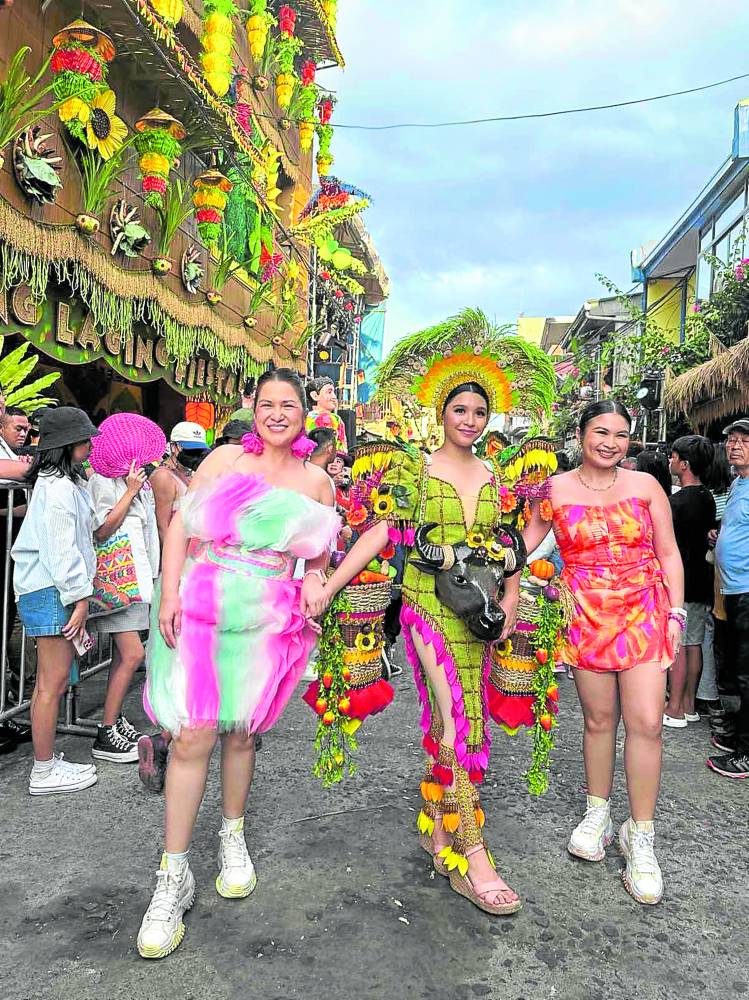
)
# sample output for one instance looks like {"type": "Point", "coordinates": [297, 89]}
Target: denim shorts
{"type": "Point", "coordinates": [42, 612]}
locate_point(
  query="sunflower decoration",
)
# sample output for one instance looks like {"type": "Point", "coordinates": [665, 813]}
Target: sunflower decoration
{"type": "Point", "coordinates": [79, 72]}
{"type": "Point", "coordinates": [475, 540]}
{"type": "Point", "coordinates": [496, 551]}
{"type": "Point", "coordinates": [383, 504]}
{"type": "Point", "coordinates": [365, 642]}
{"type": "Point", "coordinates": [105, 132]}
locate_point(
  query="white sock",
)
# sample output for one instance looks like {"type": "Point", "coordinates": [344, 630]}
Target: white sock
{"type": "Point", "coordinates": [174, 862]}
{"type": "Point", "coordinates": [43, 767]}
{"type": "Point", "coordinates": [596, 800]}
{"type": "Point", "coordinates": [232, 825]}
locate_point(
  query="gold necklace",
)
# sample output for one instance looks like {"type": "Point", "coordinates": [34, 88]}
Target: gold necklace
{"type": "Point", "coordinates": [598, 489]}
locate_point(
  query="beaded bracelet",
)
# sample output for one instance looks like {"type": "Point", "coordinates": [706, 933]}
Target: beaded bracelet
{"type": "Point", "coordinates": [672, 617]}
{"type": "Point", "coordinates": [681, 612]}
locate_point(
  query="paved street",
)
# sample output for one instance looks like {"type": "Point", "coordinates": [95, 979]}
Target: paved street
{"type": "Point", "coordinates": [347, 905]}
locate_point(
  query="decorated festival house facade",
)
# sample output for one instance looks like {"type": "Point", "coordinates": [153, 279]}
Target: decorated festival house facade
{"type": "Point", "coordinates": [166, 198]}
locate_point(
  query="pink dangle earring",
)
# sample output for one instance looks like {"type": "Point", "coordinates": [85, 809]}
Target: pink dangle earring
{"type": "Point", "coordinates": [253, 443]}
{"type": "Point", "coordinates": [302, 446]}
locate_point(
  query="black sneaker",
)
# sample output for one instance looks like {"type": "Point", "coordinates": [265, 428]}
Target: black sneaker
{"type": "Point", "coordinates": [10, 730]}
{"type": "Point", "coordinates": [733, 765]}
{"type": "Point", "coordinates": [111, 745]}
{"type": "Point", "coordinates": [127, 729]}
{"type": "Point", "coordinates": [153, 752]}
{"type": "Point", "coordinates": [725, 742]}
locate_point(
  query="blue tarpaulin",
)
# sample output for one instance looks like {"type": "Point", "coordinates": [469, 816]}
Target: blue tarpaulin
{"type": "Point", "coordinates": [371, 341]}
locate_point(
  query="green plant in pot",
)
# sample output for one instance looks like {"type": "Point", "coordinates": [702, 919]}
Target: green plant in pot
{"type": "Point", "coordinates": [20, 97]}
{"type": "Point", "coordinates": [177, 207]}
{"type": "Point", "coordinates": [98, 180]}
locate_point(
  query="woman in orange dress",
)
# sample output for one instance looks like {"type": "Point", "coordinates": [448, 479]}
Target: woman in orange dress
{"type": "Point", "coordinates": [616, 539]}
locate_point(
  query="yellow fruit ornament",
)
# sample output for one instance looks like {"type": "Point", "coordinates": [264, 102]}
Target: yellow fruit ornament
{"type": "Point", "coordinates": [288, 49]}
{"type": "Point", "coordinates": [217, 42]}
{"type": "Point", "coordinates": [258, 25]}
{"type": "Point", "coordinates": [170, 11]}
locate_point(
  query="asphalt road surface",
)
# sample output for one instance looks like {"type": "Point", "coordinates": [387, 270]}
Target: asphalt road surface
{"type": "Point", "coordinates": [347, 905]}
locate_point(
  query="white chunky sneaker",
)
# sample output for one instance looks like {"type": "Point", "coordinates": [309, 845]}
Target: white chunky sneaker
{"type": "Point", "coordinates": [162, 928]}
{"type": "Point", "coordinates": [642, 876]}
{"type": "Point", "coordinates": [594, 832]}
{"type": "Point", "coordinates": [237, 877]}
{"type": "Point", "coordinates": [63, 776]}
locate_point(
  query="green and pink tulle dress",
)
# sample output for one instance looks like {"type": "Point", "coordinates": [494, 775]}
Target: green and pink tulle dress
{"type": "Point", "coordinates": [243, 644]}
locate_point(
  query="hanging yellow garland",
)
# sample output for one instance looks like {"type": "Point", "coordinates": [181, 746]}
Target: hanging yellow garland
{"type": "Point", "coordinates": [217, 41]}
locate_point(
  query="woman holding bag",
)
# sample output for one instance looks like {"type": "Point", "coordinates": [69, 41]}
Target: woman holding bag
{"type": "Point", "coordinates": [53, 579]}
{"type": "Point", "coordinates": [127, 543]}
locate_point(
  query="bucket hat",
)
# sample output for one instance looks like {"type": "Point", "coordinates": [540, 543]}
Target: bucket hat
{"type": "Point", "coordinates": [124, 439]}
{"type": "Point", "coordinates": [64, 425]}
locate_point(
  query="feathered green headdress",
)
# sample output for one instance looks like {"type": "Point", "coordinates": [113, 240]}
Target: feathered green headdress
{"type": "Point", "coordinates": [425, 367]}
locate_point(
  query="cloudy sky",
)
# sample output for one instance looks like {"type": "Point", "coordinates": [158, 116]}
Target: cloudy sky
{"type": "Point", "coordinates": [519, 217]}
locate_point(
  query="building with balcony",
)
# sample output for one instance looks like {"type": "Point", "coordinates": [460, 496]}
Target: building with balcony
{"type": "Point", "coordinates": [191, 270]}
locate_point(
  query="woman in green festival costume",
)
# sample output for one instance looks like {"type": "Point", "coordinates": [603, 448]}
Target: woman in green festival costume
{"type": "Point", "coordinates": [463, 504]}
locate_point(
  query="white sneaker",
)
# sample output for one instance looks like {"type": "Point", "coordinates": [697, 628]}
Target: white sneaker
{"type": "Point", "coordinates": [237, 877]}
{"type": "Point", "coordinates": [692, 716]}
{"type": "Point", "coordinates": [594, 832]}
{"type": "Point", "coordinates": [74, 764]}
{"type": "Point", "coordinates": [642, 876]}
{"type": "Point", "coordinates": [63, 776]}
{"type": "Point", "coordinates": [162, 928]}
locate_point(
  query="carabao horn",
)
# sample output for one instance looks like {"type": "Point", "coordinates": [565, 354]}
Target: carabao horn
{"type": "Point", "coordinates": [437, 556]}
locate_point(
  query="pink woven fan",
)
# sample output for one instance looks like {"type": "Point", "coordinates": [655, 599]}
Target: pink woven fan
{"type": "Point", "coordinates": [125, 438]}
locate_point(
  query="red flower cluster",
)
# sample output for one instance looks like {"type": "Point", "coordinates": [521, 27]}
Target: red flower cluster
{"type": "Point", "coordinates": [325, 110]}
{"type": "Point", "coordinates": [76, 61]}
{"type": "Point", "coordinates": [339, 293]}
{"type": "Point", "coordinates": [152, 183]}
{"type": "Point", "coordinates": [286, 20]}
{"type": "Point", "coordinates": [327, 201]}
{"type": "Point", "coordinates": [308, 73]}
{"type": "Point", "coordinates": [208, 215]}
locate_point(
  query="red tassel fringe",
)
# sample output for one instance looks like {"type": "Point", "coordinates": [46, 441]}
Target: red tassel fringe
{"type": "Point", "coordinates": [431, 746]}
{"type": "Point", "coordinates": [443, 774]}
{"type": "Point", "coordinates": [364, 702]}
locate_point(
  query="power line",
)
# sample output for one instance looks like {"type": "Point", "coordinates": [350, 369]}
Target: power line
{"type": "Point", "coordinates": [539, 114]}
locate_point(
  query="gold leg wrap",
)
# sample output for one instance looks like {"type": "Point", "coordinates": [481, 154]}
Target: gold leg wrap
{"type": "Point", "coordinates": [469, 833]}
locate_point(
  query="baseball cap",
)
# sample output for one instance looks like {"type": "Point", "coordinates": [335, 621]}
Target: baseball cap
{"type": "Point", "coordinates": [738, 425]}
{"type": "Point", "coordinates": [189, 436]}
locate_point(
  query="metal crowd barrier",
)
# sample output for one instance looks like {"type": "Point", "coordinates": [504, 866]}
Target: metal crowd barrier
{"type": "Point", "coordinates": [15, 686]}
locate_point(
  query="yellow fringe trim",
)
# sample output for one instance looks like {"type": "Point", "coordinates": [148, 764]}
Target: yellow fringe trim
{"type": "Point", "coordinates": [454, 860]}
{"type": "Point", "coordinates": [350, 726]}
{"type": "Point", "coordinates": [450, 821]}
{"type": "Point", "coordinates": [59, 244]}
{"type": "Point", "coordinates": [425, 823]}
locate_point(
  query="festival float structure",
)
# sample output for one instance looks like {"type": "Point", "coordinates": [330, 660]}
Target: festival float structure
{"type": "Point", "coordinates": [157, 157]}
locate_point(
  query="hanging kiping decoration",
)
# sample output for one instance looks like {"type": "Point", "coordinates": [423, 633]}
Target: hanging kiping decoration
{"type": "Point", "coordinates": [288, 48]}
{"type": "Point", "coordinates": [200, 412]}
{"type": "Point", "coordinates": [242, 96]}
{"type": "Point", "coordinates": [35, 165]}
{"type": "Point", "coordinates": [258, 25]}
{"type": "Point", "coordinates": [170, 11]}
{"type": "Point", "coordinates": [324, 136]}
{"type": "Point", "coordinates": [79, 70]}
{"type": "Point", "coordinates": [192, 270]}
{"type": "Point", "coordinates": [305, 106]}
{"type": "Point", "coordinates": [209, 199]}
{"type": "Point", "coordinates": [217, 42]}
{"type": "Point", "coordinates": [129, 236]}
{"type": "Point", "coordinates": [158, 144]}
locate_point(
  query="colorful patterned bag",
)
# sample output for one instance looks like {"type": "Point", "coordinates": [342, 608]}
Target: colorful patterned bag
{"type": "Point", "coordinates": [115, 583]}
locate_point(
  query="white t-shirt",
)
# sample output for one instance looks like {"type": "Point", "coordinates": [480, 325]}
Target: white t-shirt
{"type": "Point", "coordinates": [139, 526]}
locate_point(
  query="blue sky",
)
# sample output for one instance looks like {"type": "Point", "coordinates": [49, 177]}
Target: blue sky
{"type": "Point", "coordinates": [518, 217]}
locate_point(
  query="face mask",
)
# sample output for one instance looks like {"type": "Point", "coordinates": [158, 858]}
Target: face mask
{"type": "Point", "coordinates": [190, 460]}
